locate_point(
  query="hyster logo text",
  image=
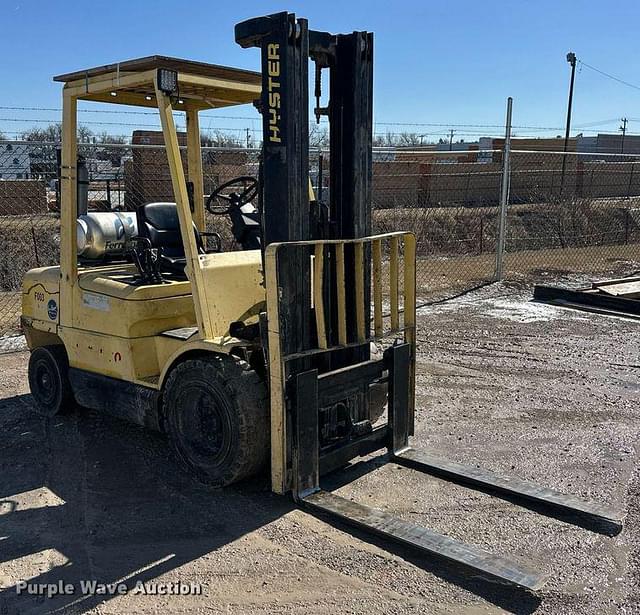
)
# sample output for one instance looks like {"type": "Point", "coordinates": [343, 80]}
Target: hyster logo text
{"type": "Point", "coordinates": [273, 70]}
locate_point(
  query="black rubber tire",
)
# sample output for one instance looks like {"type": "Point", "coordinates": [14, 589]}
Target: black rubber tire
{"type": "Point", "coordinates": [49, 380]}
{"type": "Point", "coordinates": [223, 393]}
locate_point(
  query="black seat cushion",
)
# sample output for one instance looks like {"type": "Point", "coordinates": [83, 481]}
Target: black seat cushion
{"type": "Point", "coordinates": [159, 223]}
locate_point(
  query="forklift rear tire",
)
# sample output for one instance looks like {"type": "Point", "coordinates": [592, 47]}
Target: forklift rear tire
{"type": "Point", "coordinates": [216, 416]}
{"type": "Point", "coordinates": [49, 380]}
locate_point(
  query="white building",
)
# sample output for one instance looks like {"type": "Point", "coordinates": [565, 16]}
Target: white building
{"type": "Point", "coordinates": [14, 161]}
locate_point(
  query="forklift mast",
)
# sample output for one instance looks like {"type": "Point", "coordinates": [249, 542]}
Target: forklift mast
{"type": "Point", "coordinates": [284, 104]}
{"type": "Point", "coordinates": [349, 58]}
{"type": "Point", "coordinates": [288, 213]}
{"type": "Point", "coordinates": [284, 44]}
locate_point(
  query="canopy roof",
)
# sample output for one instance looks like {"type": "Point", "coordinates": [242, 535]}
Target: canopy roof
{"type": "Point", "coordinates": [132, 82]}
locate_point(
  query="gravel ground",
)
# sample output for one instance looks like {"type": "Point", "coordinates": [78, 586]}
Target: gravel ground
{"type": "Point", "coordinates": [541, 392]}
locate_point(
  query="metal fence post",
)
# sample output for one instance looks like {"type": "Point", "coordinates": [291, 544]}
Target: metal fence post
{"type": "Point", "coordinates": [504, 194]}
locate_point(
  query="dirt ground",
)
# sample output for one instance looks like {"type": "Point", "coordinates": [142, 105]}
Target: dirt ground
{"type": "Point", "coordinates": [541, 392]}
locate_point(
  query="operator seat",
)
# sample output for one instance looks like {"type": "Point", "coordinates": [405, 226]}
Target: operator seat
{"type": "Point", "coordinates": [159, 223]}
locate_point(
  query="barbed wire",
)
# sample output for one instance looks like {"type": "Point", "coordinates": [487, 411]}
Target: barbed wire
{"type": "Point", "coordinates": [324, 120]}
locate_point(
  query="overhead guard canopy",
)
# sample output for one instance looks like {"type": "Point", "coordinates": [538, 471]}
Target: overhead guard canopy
{"type": "Point", "coordinates": [201, 85]}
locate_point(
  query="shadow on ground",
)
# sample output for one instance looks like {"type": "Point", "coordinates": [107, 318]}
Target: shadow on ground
{"type": "Point", "coordinates": [123, 510]}
{"type": "Point", "coordinates": [117, 509]}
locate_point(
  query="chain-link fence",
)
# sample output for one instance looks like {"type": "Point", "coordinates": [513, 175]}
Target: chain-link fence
{"type": "Point", "coordinates": [574, 212]}
{"type": "Point", "coordinates": [29, 229]}
{"type": "Point", "coordinates": [450, 201]}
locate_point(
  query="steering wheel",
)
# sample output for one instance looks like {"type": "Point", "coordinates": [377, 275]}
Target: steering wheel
{"type": "Point", "coordinates": [224, 198]}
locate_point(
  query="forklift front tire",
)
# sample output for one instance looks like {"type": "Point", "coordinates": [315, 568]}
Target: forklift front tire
{"type": "Point", "coordinates": [216, 416]}
{"type": "Point", "coordinates": [49, 380]}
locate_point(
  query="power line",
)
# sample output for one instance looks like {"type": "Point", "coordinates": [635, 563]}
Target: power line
{"type": "Point", "coordinates": [134, 125]}
{"type": "Point", "coordinates": [92, 123]}
{"type": "Point", "coordinates": [228, 128]}
{"type": "Point", "coordinates": [246, 118]}
{"type": "Point", "coordinates": [448, 126]}
{"type": "Point", "coordinates": [598, 123]}
{"type": "Point", "coordinates": [120, 112]}
{"type": "Point", "coordinates": [597, 70]}
{"type": "Point", "coordinates": [484, 130]}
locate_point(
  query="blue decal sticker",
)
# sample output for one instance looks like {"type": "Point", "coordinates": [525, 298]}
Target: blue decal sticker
{"type": "Point", "coordinates": [52, 309]}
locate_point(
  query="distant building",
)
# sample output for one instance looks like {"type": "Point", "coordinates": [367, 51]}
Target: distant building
{"type": "Point", "coordinates": [147, 177]}
{"type": "Point", "coordinates": [461, 146]}
{"type": "Point", "coordinates": [14, 161]}
{"type": "Point", "coordinates": [102, 170]}
{"type": "Point", "coordinates": [609, 144]}
{"type": "Point", "coordinates": [487, 149]}
{"type": "Point", "coordinates": [600, 144]}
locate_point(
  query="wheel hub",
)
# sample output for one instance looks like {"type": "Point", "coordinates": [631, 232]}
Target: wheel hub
{"type": "Point", "coordinates": [204, 425]}
{"type": "Point", "coordinates": [46, 382]}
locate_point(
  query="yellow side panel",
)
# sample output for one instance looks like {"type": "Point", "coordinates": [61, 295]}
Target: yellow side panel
{"type": "Point", "coordinates": [117, 357]}
{"type": "Point", "coordinates": [41, 298]}
{"type": "Point", "coordinates": [129, 318]}
{"type": "Point", "coordinates": [106, 302]}
{"type": "Point", "coordinates": [233, 286]}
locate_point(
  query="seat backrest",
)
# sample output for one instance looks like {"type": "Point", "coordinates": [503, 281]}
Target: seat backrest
{"type": "Point", "coordinates": [160, 224]}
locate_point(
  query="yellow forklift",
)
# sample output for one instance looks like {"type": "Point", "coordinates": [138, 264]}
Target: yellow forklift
{"type": "Point", "coordinates": [260, 358]}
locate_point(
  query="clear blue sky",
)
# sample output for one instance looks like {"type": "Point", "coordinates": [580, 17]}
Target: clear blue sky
{"type": "Point", "coordinates": [435, 62]}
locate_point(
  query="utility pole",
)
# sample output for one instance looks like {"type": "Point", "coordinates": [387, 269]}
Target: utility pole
{"type": "Point", "coordinates": [451, 139]}
{"type": "Point", "coordinates": [248, 131]}
{"type": "Point", "coordinates": [504, 193]}
{"type": "Point", "coordinates": [624, 132]}
{"type": "Point", "coordinates": [571, 58]}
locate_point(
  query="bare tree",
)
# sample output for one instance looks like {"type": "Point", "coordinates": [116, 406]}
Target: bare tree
{"type": "Point", "coordinates": [52, 133]}
{"type": "Point", "coordinates": [43, 157]}
{"type": "Point", "coordinates": [318, 137]}
{"type": "Point", "coordinates": [219, 139]}
{"type": "Point", "coordinates": [386, 140]}
{"type": "Point", "coordinates": [105, 137]}
{"type": "Point", "coordinates": [402, 139]}
{"type": "Point", "coordinates": [409, 139]}
{"type": "Point", "coordinates": [114, 154]}
{"type": "Point", "coordinates": [84, 134]}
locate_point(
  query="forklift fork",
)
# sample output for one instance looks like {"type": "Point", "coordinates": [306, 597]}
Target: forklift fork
{"type": "Point", "coordinates": [306, 389]}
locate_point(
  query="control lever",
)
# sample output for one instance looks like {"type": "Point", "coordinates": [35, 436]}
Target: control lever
{"type": "Point", "coordinates": [146, 260]}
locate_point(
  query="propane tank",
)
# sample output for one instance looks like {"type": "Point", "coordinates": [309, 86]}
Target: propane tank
{"type": "Point", "coordinates": [105, 234]}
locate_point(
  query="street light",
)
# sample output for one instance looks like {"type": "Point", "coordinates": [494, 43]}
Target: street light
{"type": "Point", "coordinates": [571, 59]}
